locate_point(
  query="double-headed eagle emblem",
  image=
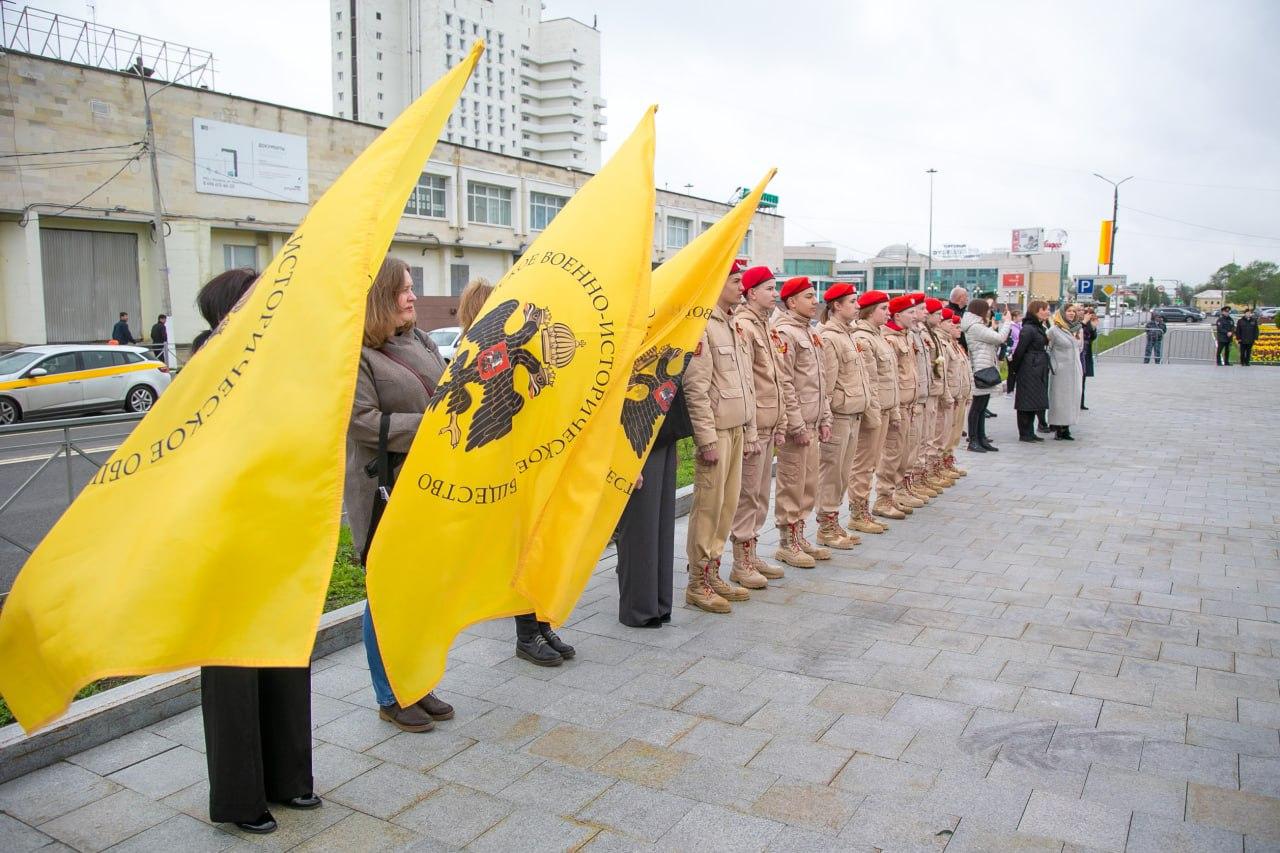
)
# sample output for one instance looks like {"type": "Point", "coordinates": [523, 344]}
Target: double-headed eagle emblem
{"type": "Point", "coordinates": [649, 395]}
{"type": "Point", "coordinates": [488, 356]}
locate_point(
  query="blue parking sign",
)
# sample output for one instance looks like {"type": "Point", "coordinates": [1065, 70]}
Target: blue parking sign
{"type": "Point", "coordinates": [1084, 286]}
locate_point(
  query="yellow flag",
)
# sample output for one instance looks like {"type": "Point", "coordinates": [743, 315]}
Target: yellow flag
{"type": "Point", "coordinates": [564, 550]}
{"type": "Point", "coordinates": [208, 537]}
{"type": "Point", "coordinates": [530, 378]}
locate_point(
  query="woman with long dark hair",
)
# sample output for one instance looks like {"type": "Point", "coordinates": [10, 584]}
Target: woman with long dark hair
{"type": "Point", "coordinates": [1088, 334]}
{"type": "Point", "coordinates": [984, 345]}
{"type": "Point", "coordinates": [257, 720]}
{"type": "Point", "coordinates": [1029, 370]}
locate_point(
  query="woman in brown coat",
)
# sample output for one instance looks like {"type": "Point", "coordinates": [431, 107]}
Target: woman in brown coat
{"type": "Point", "coordinates": [400, 367]}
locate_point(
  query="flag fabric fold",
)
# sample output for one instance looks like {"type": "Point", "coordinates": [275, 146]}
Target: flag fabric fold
{"type": "Point", "coordinates": [563, 551]}
{"type": "Point", "coordinates": [531, 378]}
{"type": "Point", "coordinates": [208, 537]}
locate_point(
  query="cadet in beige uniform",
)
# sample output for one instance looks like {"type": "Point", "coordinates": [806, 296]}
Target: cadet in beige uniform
{"type": "Point", "coordinates": [880, 366]}
{"type": "Point", "coordinates": [962, 387]}
{"type": "Point", "coordinates": [892, 501]}
{"type": "Point", "coordinates": [911, 484]}
{"type": "Point", "coordinates": [752, 322]}
{"type": "Point", "coordinates": [808, 422]}
{"type": "Point", "coordinates": [848, 393]}
{"type": "Point", "coordinates": [721, 400]}
{"type": "Point", "coordinates": [937, 341]}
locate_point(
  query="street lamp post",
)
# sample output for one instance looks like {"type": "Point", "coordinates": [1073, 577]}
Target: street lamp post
{"type": "Point", "coordinates": [931, 172]}
{"type": "Point", "coordinates": [1115, 212]}
{"type": "Point", "coordinates": [170, 352]}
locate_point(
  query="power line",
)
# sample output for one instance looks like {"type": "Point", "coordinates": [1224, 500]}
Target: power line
{"type": "Point", "coordinates": [69, 150]}
{"type": "Point", "coordinates": [98, 187]}
{"type": "Point", "coordinates": [43, 167]}
{"type": "Point", "coordinates": [1198, 225]}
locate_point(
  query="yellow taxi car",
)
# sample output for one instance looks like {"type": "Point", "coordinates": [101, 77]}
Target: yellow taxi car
{"type": "Point", "coordinates": [70, 379]}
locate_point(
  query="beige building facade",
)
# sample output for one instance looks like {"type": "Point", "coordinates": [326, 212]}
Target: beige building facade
{"type": "Point", "coordinates": [76, 241]}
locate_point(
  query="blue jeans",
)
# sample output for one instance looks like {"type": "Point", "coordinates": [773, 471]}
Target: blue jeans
{"type": "Point", "coordinates": [377, 672]}
{"type": "Point", "coordinates": [1156, 344]}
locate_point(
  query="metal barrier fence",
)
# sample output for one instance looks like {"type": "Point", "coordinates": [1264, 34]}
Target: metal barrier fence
{"type": "Point", "coordinates": [66, 447]}
{"type": "Point", "coordinates": [1186, 344]}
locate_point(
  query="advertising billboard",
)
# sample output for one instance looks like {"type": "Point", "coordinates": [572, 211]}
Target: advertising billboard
{"type": "Point", "coordinates": [1055, 240]}
{"type": "Point", "coordinates": [1028, 239]}
{"type": "Point", "coordinates": [248, 162]}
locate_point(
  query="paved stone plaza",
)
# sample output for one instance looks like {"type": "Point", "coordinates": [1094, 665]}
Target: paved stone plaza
{"type": "Point", "coordinates": [1072, 649]}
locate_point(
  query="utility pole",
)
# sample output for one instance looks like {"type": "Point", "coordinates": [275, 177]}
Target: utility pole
{"type": "Point", "coordinates": [1115, 211]}
{"type": "Point", "coordinates": [157, 215]}
{"type": "Point", "coordinates": [931, 172]}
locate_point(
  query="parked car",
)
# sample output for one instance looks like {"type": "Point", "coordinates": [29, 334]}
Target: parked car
{"type": "Point", "coordinates": [1177, 314]}
{"type": "Point", "coordinates": [447, 340]}
{"type": "Point", "coordinates": [1267, 313]}
{"type": "Point", "coordinates": [66, 379]}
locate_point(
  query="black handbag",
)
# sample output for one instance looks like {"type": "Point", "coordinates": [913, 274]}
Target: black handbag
{"type": "Point", "coordinates": [383, 467]}
{"type": "Point", "coordinates": [987, 377]}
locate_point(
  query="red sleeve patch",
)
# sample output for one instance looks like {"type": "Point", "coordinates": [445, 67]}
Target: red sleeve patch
{"type": "Point", "coordinates": [698, 351]}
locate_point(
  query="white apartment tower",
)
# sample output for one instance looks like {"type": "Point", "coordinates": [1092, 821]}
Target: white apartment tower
{"type": "Point", "coordinates": [535, 92]}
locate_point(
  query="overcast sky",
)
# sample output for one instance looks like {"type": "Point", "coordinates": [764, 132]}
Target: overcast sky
{"type": "Point", "coordinates": [1015, 103]}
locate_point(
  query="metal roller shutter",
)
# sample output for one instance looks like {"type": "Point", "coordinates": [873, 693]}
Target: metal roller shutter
{"type": "Point", "coordinates": [89, 278]}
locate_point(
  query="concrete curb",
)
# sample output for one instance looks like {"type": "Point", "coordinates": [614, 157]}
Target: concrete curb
{"type": "Point", "coordinates": [121, 710]}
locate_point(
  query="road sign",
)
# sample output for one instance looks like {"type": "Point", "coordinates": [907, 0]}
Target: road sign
{"type": "Point", "coordinates": [1109, 289]}
{"type": "Point", "coordinates": [1084, 286]}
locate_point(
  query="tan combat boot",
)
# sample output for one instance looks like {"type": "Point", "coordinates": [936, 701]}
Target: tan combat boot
{"type": "Point", "coordinates": [917, 486]}
{"type": "Point", "coordinates": [789, 550]}
{"type": "Point", "coordinates": [700, 594]}
{"type": "Point", "coordinates": [815, 551]}
{"type": "Point", "coordinates": [904, 497]}
{"type": "Point", "coordinates": [946, 472]}
{"type": "Point", "coordinates": [727, 591]}
{"type": "Point", "coordinates": [951, 463]}
{"type": "Point", "coordinates": [934, 477]}
{"type": "Point", "coordinates": [830, 533]}
{"type": "Point", "coordinates": [860, 521]}
{"type": "Point", "coordinates": [769, 570]}
{"type": "Point", "coordinates": [886, 508]}
{"type": "Point", "coordinates": [741, 556]}
{"type": "Point", "coordinates": [745, 574]}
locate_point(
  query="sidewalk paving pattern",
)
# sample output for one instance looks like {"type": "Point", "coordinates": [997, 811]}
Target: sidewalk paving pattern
{"type": "Point", "coordinates": [1075, 648]}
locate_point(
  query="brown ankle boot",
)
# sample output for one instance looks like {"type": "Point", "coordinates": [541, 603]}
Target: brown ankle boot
{"type": "Point", "coordinates": [831, 534]}
{"type": "Point", "coordinates": [860, 521]}
{"type": "Point", "coordinates": [886, 508]}
{"type": "Point", "coordinates": [699, 593]}
{"type": "Point", "coordinates": [770, 571]}
{"type": "Point", "coordinates": [408, 719]}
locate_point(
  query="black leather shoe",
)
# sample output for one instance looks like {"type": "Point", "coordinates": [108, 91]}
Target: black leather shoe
{"type": "Point", "coordinates": [1045, 428]}
{"type": "Point", "coordinates": [991, 448]}
{"type": "Point", "coordinates": [532, 646]}
{"type": "Point", "coordinates": [990, 414]}
{"type": "Point", "coordinates": [553, 640]}
{"type": "Point", "coordinates": [1036, 438]}
{"type": "Point", "coordinates": [261, 825]}
{"type": "Point", "coordinates": [1029, 438]}
{"type": "Point", "coordinates": [1083, 407]}
{"type": "Point", "coordinates": [974, 447]}
{"type": "Point", "coordinates": [306, 801]}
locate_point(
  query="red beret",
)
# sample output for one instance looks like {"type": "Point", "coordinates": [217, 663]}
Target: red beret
{"type": "Point", "coordinates": [917, 298]}
{"type": "Point", "coordinates": [947, 313]}
{"type": "Point", "coordinates": [755, 276]}
{"type": "Point", "coordinates": [738, 266]}
{"type": "Point", "coordinates": [898, 304]}
{"type": "Point", "coordinates": [835, 291]}
{"type": "Point", "coordinates": [872, 297]}
{"type": "Point", "coordinates": [792, 286]}
{"type": "Point", "coordinates": [956, 320]}
{"type": "Point", "coordinates": [932, 305]}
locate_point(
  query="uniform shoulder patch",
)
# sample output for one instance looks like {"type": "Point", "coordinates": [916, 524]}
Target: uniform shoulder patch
{"type": "Point", "coordinates": [779, 344]}
{"type": "Point", "coordinates": [698, 350]}
{"type": "Point", "coordinates": [817, 341]}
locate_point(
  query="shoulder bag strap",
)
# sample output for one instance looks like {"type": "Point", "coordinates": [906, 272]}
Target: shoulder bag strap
{"type": "Point", "coordinates": [383, 494]}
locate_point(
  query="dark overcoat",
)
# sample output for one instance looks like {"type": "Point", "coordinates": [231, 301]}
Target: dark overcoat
{"type": "Point", "coordinates": [1029, 368]}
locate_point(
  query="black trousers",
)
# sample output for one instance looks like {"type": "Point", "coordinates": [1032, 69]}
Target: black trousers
{"type": "Point", "coordinates": [1027, 424]}
{"type": "Point", "coordinates": [257, 735]}
{"type": "Point", "coordinates": [1041, 419]}
{"type": "Point", "coordinates": [646, 542]}
{"type": "Point", "coordinates": [1223, 355]}
{"type": "Point", "coordinates": [1246, 353]}
{"type": "Point", "coordinates": [1083, 380]}
{"type": "Point", "coordinates": [977, 423]}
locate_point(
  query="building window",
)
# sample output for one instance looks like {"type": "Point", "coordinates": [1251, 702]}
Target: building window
{"type": "Point", "coordinates": [543, 208]}
{"type": "Point", "coordinates": [488, 204]}
{"type": "Point", "coordinates": [378, 15]}
{"type": "Point", "coordinates": [339, 35]}
{"type": "Point", "coordinates": [448, 41]}
{"type": "Point", "coordinates": [379, 75]}
{"type": "Point", "coordinates": [238, 257]}
{"type": "Point", "coordinates": [340, 96]}
{"type": "Point", "coordinates": [380, 115]}
{"type": "Point", "coordinates": [807, 266]}
{"type": "Point", "coordinates": [377, 35]}
{"type": "Point", "coordinates": [745, 248]}
{"type": "Point", "coordinates": [339, 75]}
{"type": "Point", "coordinates": [677, 232]}
{"type": "Point", "coordinates": [339, 56]}
{"type": "Point", "coordinates": [379, 96]}
{"type": "Point", "coordinates": [339, 16]}
{"type": "Point", "coordinates": [706, 226]}
{"type": "Point", "coordinates": [379, 56]}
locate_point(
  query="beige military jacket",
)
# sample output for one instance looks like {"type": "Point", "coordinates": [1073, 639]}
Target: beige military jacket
{"type": "Point", "coordinates": [800, 372]}
{"type": "Point", "coordinates": [920, 349]}
{"type": "Point", "coordinates": [934, 346]}
{"type": "Point", "coordinates": [717, 383]}
{"type": "Point", "coordinates": [905, 348]}
{"type": "Point", "coordinates": [960, 373]}
{"type": "Point", "coordinates": [843, 373]}
{"type": "Point", "coordinates": [754, 326]}
{"type": "Point", "coordinates": [881, 365]}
